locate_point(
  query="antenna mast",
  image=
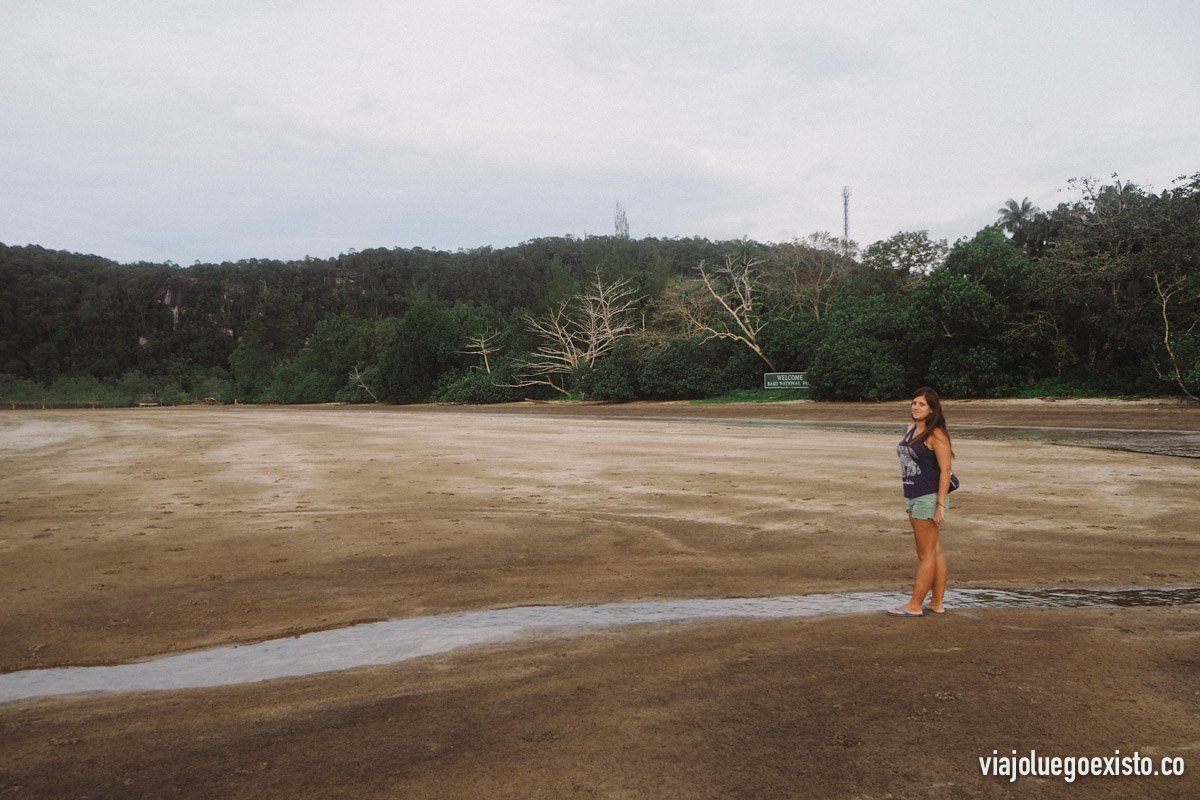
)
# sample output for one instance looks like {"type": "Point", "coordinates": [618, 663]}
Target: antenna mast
{"type": "Point", "coordinates": [846, 220]}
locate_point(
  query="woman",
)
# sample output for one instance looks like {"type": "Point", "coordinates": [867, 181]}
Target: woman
{"type": "Point", "coordinates": [925, 457]}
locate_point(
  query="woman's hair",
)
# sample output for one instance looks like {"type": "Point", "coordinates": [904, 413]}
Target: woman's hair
{"type": "Point", "coordinates": [936, 418]}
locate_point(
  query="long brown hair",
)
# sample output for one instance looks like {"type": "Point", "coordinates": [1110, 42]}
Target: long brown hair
{"type": "Point", "coordinates": [936, 419]}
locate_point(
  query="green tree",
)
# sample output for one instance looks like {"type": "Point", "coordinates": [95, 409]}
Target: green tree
{"type": "Point", "coordinates": [321, 372]}
{"type": "Point", "coordinates": [976, 318]}
{"type": "Point", "coordinates": [620, 223]}
{"type": "Point", "coordinates": [907, 253]}
{"type": "Point", "coordinates": [272, 335]}
{"type": "Point", "coordinates": [686, 369]}
{"type": "Point", "coordinates": [427, 343]}
{"type": "Point", "coordinates": [862, 351]}
{"type": "Point", "coordinates": [613, 378]}
{"type": "Point", "coordinates": [1119, 246]}
{"type": "Point", "coordinates": [896, 265]}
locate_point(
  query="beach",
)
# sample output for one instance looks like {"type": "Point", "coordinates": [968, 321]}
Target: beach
{"type": "Point", "coordinates": [136, 533]}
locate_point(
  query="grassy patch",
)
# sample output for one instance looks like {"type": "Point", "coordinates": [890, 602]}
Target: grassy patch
{"type": "Point", "coordinates": [757, 396]}
{"type": "Point", "coordinates": [1056, 387]}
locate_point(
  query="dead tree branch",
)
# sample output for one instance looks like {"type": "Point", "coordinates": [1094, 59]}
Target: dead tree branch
{"type": "Point", "coordinates": [721, 304]}
{"type": "Point", "coordinates": [357, 377]}
{"type": "Point", "coordinates": [1164, 296]}
{"type": "Point", "coordinates": [482, 346]}
{"type": "Point", "coordinates": [805, 274]}
{"type": "Point", "coordinates": [580, 330]}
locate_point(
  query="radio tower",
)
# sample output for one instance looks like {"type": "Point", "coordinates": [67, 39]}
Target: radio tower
{"type": "Point", "coordinates": [846, 221]}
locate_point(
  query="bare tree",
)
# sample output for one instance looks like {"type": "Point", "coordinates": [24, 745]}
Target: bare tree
{"type": "Point", "coordinates": [359, 381]}
{"type": "Point", "coordinates": [580, 330]}
{"type": "Point", "coordinates": [482, 346]}
{"type": "Point", "coordinates": [1164, 296]}
{"type": "Point", "coordinates": [722, 303]}
{"type": "Point", "coordinates": [805, 274]}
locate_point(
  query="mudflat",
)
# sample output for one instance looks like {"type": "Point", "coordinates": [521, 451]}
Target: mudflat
{"type": "Point", "coordinates": [129, 534]}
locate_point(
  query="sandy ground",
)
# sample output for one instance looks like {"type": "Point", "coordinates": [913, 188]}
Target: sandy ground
{"type": "Point", "coordinates": [133, 533]}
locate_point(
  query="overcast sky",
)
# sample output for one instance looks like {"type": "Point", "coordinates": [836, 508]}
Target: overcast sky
{"type": "Point", "coordinates": [215, 130]}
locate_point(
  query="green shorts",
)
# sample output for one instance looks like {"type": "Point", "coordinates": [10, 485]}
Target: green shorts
{"type": "Point", "coordinates": [924, 506]}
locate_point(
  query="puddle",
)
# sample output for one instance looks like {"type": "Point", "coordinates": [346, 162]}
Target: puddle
{"type": "Point", "coordinates": [399, 640]}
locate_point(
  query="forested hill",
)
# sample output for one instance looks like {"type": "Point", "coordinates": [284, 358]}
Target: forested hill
{"type": "Point", "coordinates": [71, 316]}
{"type": "Point", "coordinates": [1098, 295]}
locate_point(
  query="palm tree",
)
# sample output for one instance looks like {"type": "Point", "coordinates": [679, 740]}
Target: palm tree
{"type": "Point", "coordinates": [1015, 218]}
{"type": "Point", "coordinates": [1039, 231]}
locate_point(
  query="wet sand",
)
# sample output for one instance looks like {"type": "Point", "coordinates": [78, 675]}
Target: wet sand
{"type": "Point", "coordinates": [134, 533]}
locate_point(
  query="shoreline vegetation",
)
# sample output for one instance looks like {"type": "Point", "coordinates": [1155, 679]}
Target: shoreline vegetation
{"type": "Point", "coordinates": [1097, 297]}
{"type": "Point", "coordinates": [112, 396]}
{"type": "Point", "coordinates": [737, 397]}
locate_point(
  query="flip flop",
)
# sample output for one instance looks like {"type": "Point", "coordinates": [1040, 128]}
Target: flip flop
{"type": "Point", "coordinates": [900, 612]}
{"type": "Point", "coordinates": [929, 610]}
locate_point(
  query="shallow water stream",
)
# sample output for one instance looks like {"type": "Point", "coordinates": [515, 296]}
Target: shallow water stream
{"type": "Point", "coordinates": [402, 639]}
{"type": "Point", "coordinates": [1185, 444]}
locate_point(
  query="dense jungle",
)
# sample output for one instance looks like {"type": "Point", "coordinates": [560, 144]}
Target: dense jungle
{"type": "Point", "coordinates": [1100, 295]}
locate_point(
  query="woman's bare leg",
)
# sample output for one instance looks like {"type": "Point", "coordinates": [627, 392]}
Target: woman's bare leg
{"type": "Point", "coordinates": [931, 566]}
{"type": "Point", "coordinates": [936, 602]}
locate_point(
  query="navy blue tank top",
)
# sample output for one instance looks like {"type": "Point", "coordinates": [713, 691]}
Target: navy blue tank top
{"type": "Point", "coordinates": [918, 467]}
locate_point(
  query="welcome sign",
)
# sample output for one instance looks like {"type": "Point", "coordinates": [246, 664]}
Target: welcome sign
{"type": "Point", "coordinates": [785, 380]}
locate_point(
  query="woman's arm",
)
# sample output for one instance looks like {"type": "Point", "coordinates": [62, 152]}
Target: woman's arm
{"type": "Point", "coordinates": [940, 443]}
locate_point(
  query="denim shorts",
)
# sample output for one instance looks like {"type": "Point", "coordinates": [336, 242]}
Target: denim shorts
{"type": "Point", "coordinates": [924, 506]}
